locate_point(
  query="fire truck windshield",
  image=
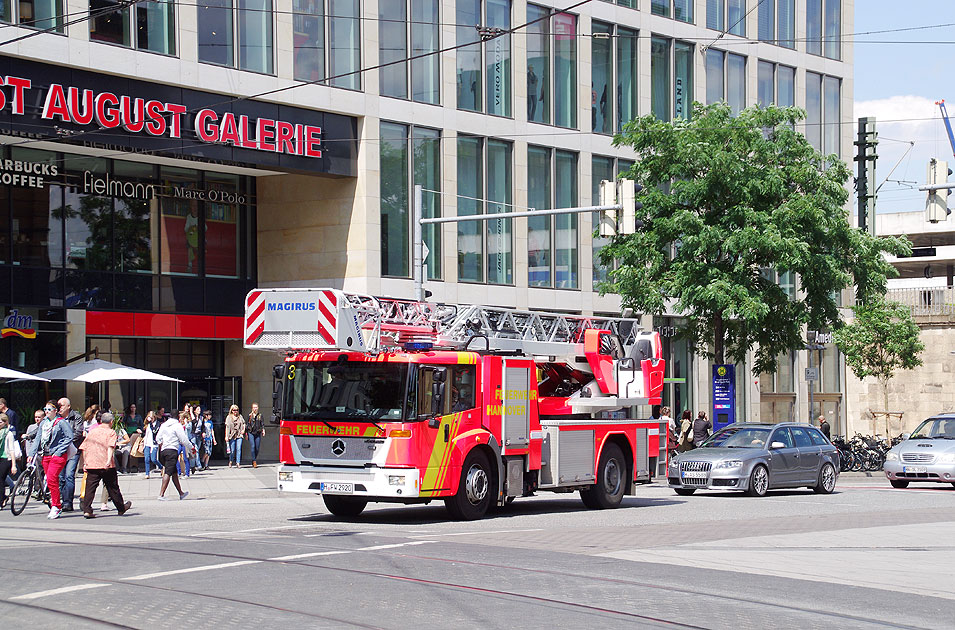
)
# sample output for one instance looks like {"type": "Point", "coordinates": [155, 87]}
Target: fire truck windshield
{"type": "Point", "coordinates": [331, 390]}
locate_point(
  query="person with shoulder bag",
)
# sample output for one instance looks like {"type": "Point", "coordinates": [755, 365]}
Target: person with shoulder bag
{"type": "Point", "coordinates": [255, 431]}
{"type": "Point", "coordinates": [54, 444]}
{"type": "Point", "coordinates": [701, 429]}
{"type": "Point", "coordinates": [686, 432]}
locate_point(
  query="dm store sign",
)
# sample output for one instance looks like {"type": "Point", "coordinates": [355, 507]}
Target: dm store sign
{"type": "Point", "coordinates": [16, 325]}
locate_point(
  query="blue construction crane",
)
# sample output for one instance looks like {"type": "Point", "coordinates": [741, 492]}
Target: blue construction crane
{"type": "Point", "coordinates": [948, 125]}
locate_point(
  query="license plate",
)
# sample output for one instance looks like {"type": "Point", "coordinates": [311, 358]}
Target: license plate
{"type": "Point", "coordinates": [914, 469]}
{"type": "Point", "coordinates": [338, 488]}
{"type": "Point", "coordinates": [694, 474]}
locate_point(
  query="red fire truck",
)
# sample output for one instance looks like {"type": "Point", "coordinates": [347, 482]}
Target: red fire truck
{"type": "Point", "coordinates": [410, 402]}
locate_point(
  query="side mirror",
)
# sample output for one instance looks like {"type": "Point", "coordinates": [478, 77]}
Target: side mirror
{"type": "Point", "coordinates": [906, 436]}
{"type": "Point", "coordinates": [278, 370]}
{"type": "Point", "coordinates": [437, 396]}
{"type": "Point", "coordinates": [776, 445]}
{"type": "Point", "coordinates": [627, 363]}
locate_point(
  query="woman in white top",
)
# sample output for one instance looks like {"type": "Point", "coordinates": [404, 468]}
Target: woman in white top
{"type": "Point", "coordinates": [8, 461]}
{"type": "Point", "coordinates": [150, 450]}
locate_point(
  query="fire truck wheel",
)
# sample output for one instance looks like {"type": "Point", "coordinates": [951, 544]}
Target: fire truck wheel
{"type": "Point", "coordinates": [474, 490]}
{"type": "Point", "coordinates": [611, 481]}
{"type": "Point", "coordinates": [344, 506]}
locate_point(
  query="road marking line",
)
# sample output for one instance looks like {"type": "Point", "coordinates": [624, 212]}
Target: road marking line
{"type": "Point", "coordinates": [311, 555]}
{"type": "Point", "coordinates": [149, 576]}
{"type": "Point", "coordinates": [58, 591]}
{"type": "Point", "coordinates": [395, 545]}
{"type": "Point", "coordinates": [499, 531]}
{"type": "Point", "coordinates": [257, 529]}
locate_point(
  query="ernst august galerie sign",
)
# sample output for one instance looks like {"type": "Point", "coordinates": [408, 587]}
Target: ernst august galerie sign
{"type": "Point", "coordinates": [38, 100]}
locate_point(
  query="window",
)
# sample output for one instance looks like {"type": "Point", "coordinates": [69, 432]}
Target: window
{"type": "Point", "coordinates": [660, 78]}
{"type": "Point", "coordinates": [399, 143]}
{"type": "Point", "coordinates": [42, 14]}
{"type": "Point", "coordinates": [824, 28]}
{"type": "Point", "coordinates": [603, 83]}
{"type": "Point", "coordinates": [326, 42]}
{"type": "Point", "coordinates": [727, 15]}
{"type": "Point", "coordinates": [395, 33]}
{"type": "Point", "coordinates": [775, 84]}
{"type": "Point", "coordinates": [663, 68]}
{"type": "Point", "coordinates": [823, 111]}
{"type": "Point", "coordinates": [682, 79]}
{"type": "Point", "coordinates": [626, 76]}
{"type": "Point", "coordinates": [251, 23]}
{"type": "Point", "coordinates": [726, 84]}
{"type": "Point", "coordinates": [783, 381]}
{"type": "Point", "coordinates": [552, 96]}
{"type": "Point", "coordinates": [151, 27]}
{"type": "Point", "coordinates": [679, 9]}
{"type": "Point", "coordinates": [785, 86]}
{"type": "Point", "coordinates": [624, 3]}
{"type": "Point", "coordinates": [777, 22]}
{"type": "Point", "coordinates": [552, 240]}
{"type": "Point", "coordinates": [485, 249]}
{"type": "Point", "coordinates": [602, 168]}
{"type": "Point", "coordinates": [490, 93]}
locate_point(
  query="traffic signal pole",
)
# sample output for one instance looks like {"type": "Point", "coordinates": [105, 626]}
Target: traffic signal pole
{"type": "Point", "coordinates": [419, 221]}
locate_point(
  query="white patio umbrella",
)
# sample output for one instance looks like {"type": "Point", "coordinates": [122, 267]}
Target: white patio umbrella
{"type": "Point", "coordinates": [98, 370]}
{"type": "Point", "coordinates": [8, 373]}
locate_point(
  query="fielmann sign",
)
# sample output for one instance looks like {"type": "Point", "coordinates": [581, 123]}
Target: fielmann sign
{"type": "Point", "coordinates": [42, 100]}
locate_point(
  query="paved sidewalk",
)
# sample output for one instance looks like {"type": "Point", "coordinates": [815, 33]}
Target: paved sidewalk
{"type": "Point", "coordinates": [218, 481]}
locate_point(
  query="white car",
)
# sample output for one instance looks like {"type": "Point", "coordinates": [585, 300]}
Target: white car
{"type": "Point", "coordinates": [927, 455]}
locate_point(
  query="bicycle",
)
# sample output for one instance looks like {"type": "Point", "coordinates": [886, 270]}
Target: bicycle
{"type": "Point", "coordinates": [30, 484]}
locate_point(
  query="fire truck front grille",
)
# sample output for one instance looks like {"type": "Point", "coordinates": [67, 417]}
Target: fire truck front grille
{"type": "Point", "coordinates": [342, 449]}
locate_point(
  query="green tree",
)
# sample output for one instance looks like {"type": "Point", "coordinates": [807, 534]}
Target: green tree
{"type": "Point", "coordinates": [728, 202]}
{"type": "Point", "coordinates": [881, 339]}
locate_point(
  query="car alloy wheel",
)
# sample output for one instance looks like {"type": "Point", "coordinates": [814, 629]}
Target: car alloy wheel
{"type": "Point", "coordinates": [759, 481]}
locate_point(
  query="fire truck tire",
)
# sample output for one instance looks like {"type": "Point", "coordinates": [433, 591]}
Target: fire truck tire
{"type": "Point", "coordinates": [344, 506]}
{"type": "Point", "coordinates": [474, 490]}
{"type": "Point", "coordinates": [611, 480]}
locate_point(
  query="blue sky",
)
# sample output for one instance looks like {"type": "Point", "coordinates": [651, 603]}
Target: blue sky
{"type": "Point", "coordinates": [898, 83]}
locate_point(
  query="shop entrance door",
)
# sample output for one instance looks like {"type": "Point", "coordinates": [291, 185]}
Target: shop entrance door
{"type": "Point", "coordinates": [218, 394]}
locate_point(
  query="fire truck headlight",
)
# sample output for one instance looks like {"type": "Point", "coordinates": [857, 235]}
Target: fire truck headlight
{"type": "Point", "coordinates": [285, 476]}
{"type": "Point", "coordinates": [396, 480]}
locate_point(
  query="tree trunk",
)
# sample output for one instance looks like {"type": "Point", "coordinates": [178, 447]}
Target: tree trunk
{"type": "Point", "coordinates": [885, 395]}
{"type": "Point", "coordinates": [718, 334]}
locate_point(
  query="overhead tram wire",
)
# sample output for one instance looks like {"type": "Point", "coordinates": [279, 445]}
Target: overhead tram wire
{"type": "Point", "coordinates": [703, 49]}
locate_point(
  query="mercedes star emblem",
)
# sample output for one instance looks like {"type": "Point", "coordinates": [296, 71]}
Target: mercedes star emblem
{"type": "Point", "coordinates": [338, 448]}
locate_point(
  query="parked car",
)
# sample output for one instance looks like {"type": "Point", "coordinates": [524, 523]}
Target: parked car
{"type": "Point", "coordinates": [927, 455]}
{"type": "Point", "coordinates": [755, 458]}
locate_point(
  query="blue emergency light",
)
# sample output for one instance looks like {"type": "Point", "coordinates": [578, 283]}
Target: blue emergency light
{"type": "Point", "coordinates": [418, 346]}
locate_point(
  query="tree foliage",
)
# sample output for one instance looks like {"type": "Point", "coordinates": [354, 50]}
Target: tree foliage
{"type": "Point", "coordinates": [881, 339]}
{"type": "Point", "coordinates": [727, 201]}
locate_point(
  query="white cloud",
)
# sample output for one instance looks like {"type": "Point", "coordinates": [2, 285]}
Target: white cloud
{"type": "Point", "coordinates": [902, 110]}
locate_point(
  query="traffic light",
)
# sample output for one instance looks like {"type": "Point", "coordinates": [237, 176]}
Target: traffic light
{"type": "Point", "coordinates": [936, 205]}
{"type": "Point", "coordinates": [622, 193]}
{"type": "Point", "coordinates": [608, 197]}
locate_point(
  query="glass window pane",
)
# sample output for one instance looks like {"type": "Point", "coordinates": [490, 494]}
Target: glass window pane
{"type": "Point", "coordinates": [308, 39]}
{"type": "Point", "coordinates": [37, 219]}
{"type": "Point", "coordinates": [601, 106]}
{"type": "Point", "coordinates": [714, 14]}
{"type": "Point", "coordinates": [786, 16]}
{"type": "Point", "coordinates": [565, 70]}
{"type": "Point", "coordinates": [222, 224]}
{"type": "Point", "coordinates": [833, 33]}
{"type": "Point", "coordinates": [394, 200]}
{"type": "Point", "coordinates": [500, 258]}
{"type": "Point", "coordinates": [468, 57]}
{"type": "Point", "coordinates": [215, 32]}
{"type": "Point", "coordinates": [683, 10]}
{"type": "Point", "coordinates": [831, 96]}
{"type": "Point", "coordinates": [765, 85]}
{"type": "Point", "coordinates": [427, 174]}
{"type": "Point", "coordinates": [498, 53]}
{"type": "Point", "coordinates": [344, 45]}
{"type": "Point", "coordinates": [425, 75]}
{"type": "Point", "coordinates": [470, 195]}
{"type": "Point", "coordinates": [132, 221]}
{"type": "Point", "coordinates": [156, 26]}
{"type": "Point", "coordinates": [786, 87]}
{"type": "Point", "coordinates": [766, 22]}
{"type": "Point", "coordinates": [87, 219]}
{"type": "Point", "coordinates": [110, 22]}
{"type": "Point", "coordinates": [42, 14]}
{"type": "Point", "coordinates": [601, 169]}
{"type": "Point", "coordinates": [255, 35]}
{"type": "Point", "coordinates": [626, 76]}
{"type": "Point", "coordinates": [660, 7]}
{"type": "Point", "coordinates": [714, 76]}
{"type": "Point", "coordinates": [814, 27]}
{"type": "Point", "coordinates": [814, 110]}
{"type": "Point", "coordinates": [737, 17]}
{"type": "Point", "coordinates": [736, 83]}
{"type": "Point", "coordinates": [565, 235]}
{"type": "Point", "coordinates": [538, 228]}
{"type": "Point", "coordinates": [682, 79]}
{"type": "Point", "coordinates": [393, 47]}
{"type": "Point", "coordinates": [538, 66]}
{"type": "Point", "coordinates": [179, 241]}
{"type": "Point", "coordinates": [660, 78]}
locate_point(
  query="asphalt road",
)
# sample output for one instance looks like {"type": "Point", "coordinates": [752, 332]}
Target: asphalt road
{"type": "Point", "coordinates": [238, 554]}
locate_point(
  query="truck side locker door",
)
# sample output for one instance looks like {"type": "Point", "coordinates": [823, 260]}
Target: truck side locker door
{"type": "Point", "coordinates": [516, 413]}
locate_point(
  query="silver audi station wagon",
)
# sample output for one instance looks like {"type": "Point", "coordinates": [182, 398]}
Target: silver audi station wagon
{"type": "Point", "coordinates": [927, 455]}
{"type": "Point", "coordinates": [755, 458]}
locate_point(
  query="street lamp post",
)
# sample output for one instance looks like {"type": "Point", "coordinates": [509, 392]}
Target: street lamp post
{"type": "Point", "coordinates": [811, 346]}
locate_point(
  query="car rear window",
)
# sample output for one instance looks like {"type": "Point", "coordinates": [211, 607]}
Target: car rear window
{"type": "Point", "coordinates": [818, 438]}
{"type": "Point", "coordinates": [801, 437]}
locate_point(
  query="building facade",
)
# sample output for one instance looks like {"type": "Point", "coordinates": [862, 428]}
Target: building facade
{"type": "Point", "coordinates": [183, 152]}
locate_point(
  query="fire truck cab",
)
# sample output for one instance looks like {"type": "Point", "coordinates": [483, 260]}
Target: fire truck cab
{"type": "Point", "coordinates": [394, 401]}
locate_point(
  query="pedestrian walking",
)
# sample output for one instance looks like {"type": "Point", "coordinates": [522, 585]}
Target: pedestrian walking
{"type": "Point", "coordinates": [686, 431]}
{"type": "Point", "coordinates": [208, 438]}
{"type": "Point", "coordinates": [234, 430]}
{"type": "Point", "coordinates": [824, 427]}
{"type": "Point", "coordinates": [171, 437]}
{"type": "Point", "coordinates": [255, 431]}
{"type": "Point", "coordinates": [8, 461]}
{"type": "Point", "coordinates": [99, 464]}
{"type": "Point", "coordinates": [68, 475]}
{"type": "Point", "coordinates": [150, 450]}
{"type": "Point", "coordinates": [56, 440]}
{"type": "Point", "coordinates": [13, 418]}
{"type": "Point", "coordinates": [701, 429]}
{"type": "Point", "coordinates": [185, 449]}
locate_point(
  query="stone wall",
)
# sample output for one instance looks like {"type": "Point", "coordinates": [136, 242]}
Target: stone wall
{"type": "Point", "coordinates": [918, 393]}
